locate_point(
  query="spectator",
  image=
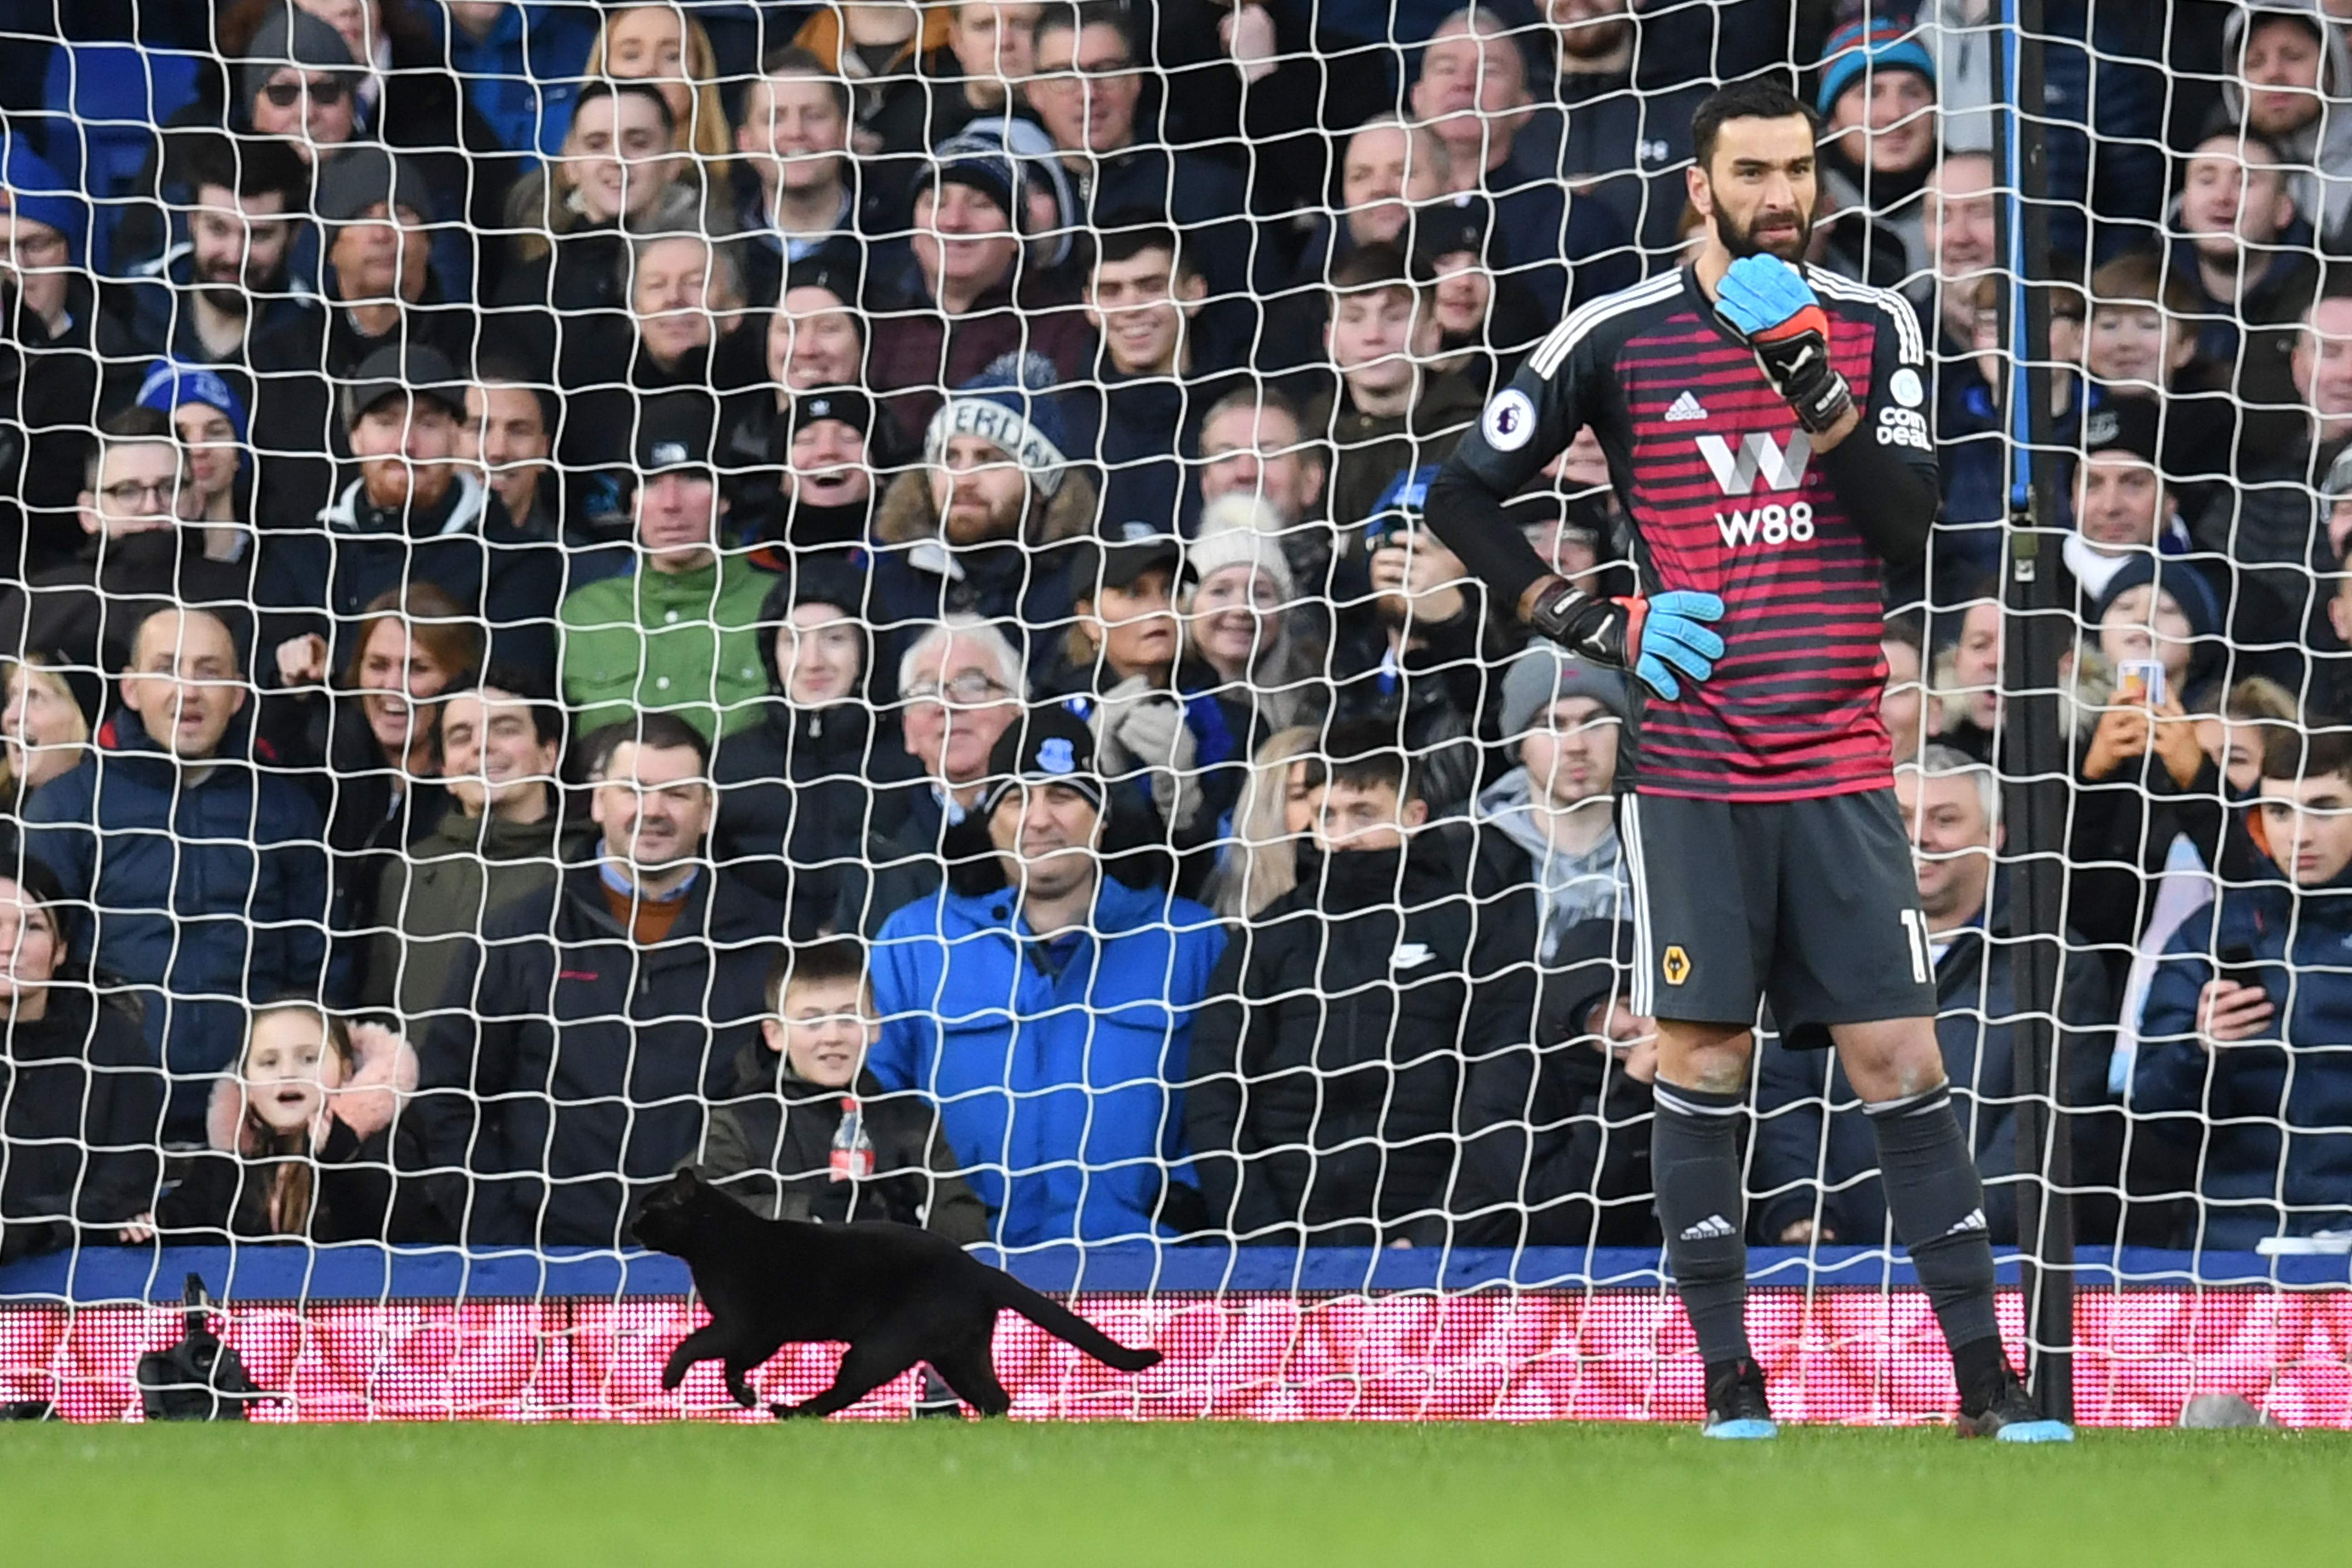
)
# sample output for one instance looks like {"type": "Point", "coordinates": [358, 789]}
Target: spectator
{"type": "Point", "coordinates": [968, 303]}
{"type": "Point", "coordinates": [382, 297]}
{"type": "Point", "coordinates": [1338, 1119]}
{"type": "Point", "coordinates": [567, 1067]}
{"type": "Point", "coordinates": [682, 341]}
{"type": "Point", "coordinates": [665, 46]}
{"type": "Point", "coordinates": [567, 227]}
{"type": "Point", "coordinates": [1389, 418]}
{"type": "Point", "coordinates": [1259, 862]}
{"type": "Point", "coordinates": [1159, 374]}
{"type": "Point", "coordinates": [369, 752]}
{"type": "Point", "coordinates": [778, 1142]}
{"type": "Point", "coordinates": [2246, 254]}
{"type": "Point", "coordinates": [208, 419]}
{"type": "Point", "coordinates": [1486, 320]}
{"type": "Point", "coordinates": [1815, 1168]}
{"type": "Point", "coordinates": [821, 770]}
{"type": "Point", "coordinates": [962, 683]}
{"type": "Point", "coordinates": [2241, 1038]}
{"type": "Point", "coordinates": [821, 445]}
{"type": "Point", "coordinates": [1957, 228]}
{"type": "Point", "coordinates": [1903, 702]}
{"type": "Point", "coordinates": [1246, 638]}
{"type": "Point", "coordinates": [797, 196]}
{"type": "Point", "coordinates": [2276, 537]}
{"type": "Point", "coordinates": [816, 339]}
{"type": "Point", "coordinates": [49, 374]}
{"type": "Point", "coordinates": [2142, 778]}
{"type": "Point", "coordinates": [1877, 98]}
{"type": "Point", "coordinates": [81, 1105]}
{"type": "Point", "coordinates": [1965, 707]}
{"type": "Point", "coordinates": [2286, 73]}
{"type": "Point", "coordinates": [298, 81]}
{"type": "Point", "coordinates": [1618, 125]}
{"type": "Point", "coordinates": [521, 66]}
{"type": "Point", "coordinates": [209, 299]}
{"type": "Point", "coordinates": [299, 1137]}
{"type": "Point", "coordinates": [415, 512]}
{"type": "Point", "coordinates": [1254, 447]}
{"type": "Point", "coordinates": [49, 709]}
{"type": "Point", "coordinates": [2141, 341]}
{"type": "Point", "coordinates": [506, 838]}
{"type": "Point", "coordinates": [1410, 657]}
{"type": "Point", "coordinates": [2122, 506]}
{"type": "Point", "coordinates": [1472, 92]}
{"type": "Point", "coordinates": [886, 53]}
{"type": "Point", "coordinates": [509, 433]}
{"type": "Point", "coordinates": [202, 871]}
{"type": "Point", "coordinates": [1387, 170]}
{"type": "Point", "coordinates": [1087, 93]}
{"type": "Point", "coordinates": [977, 526]}
{"type": "Point", "coordinates": [678, 634]}
{"type": "Point", "coordinates": [141, 551]}
{"type": "Point", "coordinates": [1563, 717]}
{"type": "Point", "coordinates": [1050, 1016]}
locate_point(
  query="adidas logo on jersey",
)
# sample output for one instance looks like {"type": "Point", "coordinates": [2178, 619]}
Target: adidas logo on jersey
{"type": "Point", "coordinates": [1683, 409]}
{"type": "Point", "coordinates": [1713, 1227]}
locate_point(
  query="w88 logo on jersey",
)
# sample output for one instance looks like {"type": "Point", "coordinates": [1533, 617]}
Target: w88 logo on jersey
{"type": "Point", "coordinates": [1776, 524]}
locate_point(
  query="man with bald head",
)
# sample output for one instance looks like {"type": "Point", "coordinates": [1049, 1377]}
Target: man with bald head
{"type": "Point", "coordinates": [207, 875]}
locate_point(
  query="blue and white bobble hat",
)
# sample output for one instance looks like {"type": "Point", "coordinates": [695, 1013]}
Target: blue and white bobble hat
{"type": "Point", "coordinates": [1016, 405]}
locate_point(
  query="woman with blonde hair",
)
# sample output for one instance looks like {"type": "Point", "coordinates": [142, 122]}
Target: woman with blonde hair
{"type": "Point", "coordinates": [1259, 860]}
{"type": "Point", "coordinates": [662, 46]}
{"type": "Point", "coordinates": [47, 714]}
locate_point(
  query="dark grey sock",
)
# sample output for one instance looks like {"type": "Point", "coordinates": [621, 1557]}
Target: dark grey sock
{"type": "Point", "coordinates": [1695, 1157]}
{"type": "Point", "coordinates": [1938, 1206]}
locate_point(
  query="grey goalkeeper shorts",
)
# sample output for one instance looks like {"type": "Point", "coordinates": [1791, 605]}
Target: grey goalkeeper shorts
{"type": "Point", "coordinates": [1810, 905]}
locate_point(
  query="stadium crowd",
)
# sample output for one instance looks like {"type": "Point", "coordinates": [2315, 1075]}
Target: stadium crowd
{"type": "Point", "coordinates": [838, 594]}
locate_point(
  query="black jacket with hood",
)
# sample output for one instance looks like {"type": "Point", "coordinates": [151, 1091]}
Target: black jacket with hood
{"type": "Point", "coordinates": [1328, 1067]}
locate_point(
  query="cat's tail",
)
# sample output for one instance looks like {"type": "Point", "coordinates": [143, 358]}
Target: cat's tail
{"type": "Point", "coordinates": [1064, 1324]}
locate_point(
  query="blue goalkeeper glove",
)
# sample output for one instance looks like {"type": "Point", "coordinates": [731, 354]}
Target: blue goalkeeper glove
{"type": "Point", "coordinates": [1769, 303]}
{"type": "Point", "coordinates": [1662, 640]}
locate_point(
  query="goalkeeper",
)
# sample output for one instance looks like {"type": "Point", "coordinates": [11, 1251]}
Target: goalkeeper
{"type": "Point", "coordinates": [1765, 428]}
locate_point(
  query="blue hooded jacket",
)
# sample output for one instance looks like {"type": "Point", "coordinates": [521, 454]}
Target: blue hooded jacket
{"type": "Point", "coordinates": [214, 893]}
{"type": "Point", "coordinates": [2275, 1118]}
{"type": "Point", "coordinates": [1058, 1087]}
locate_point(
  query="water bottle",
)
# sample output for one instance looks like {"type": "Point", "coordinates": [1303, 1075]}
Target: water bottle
{"type": "Point", "coordinates": [853, 1151]}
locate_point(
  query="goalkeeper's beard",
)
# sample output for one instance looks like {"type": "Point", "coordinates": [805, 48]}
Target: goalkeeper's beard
{"type": "Point", "coordinates": [1741, 241]}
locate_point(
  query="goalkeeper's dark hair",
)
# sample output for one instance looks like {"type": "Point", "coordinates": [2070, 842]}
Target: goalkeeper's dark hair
{"type": "Point", "coordinates": [2292, 755]}
{"type": "Point", "coordinates": [829, 960]}
{"type": "Point", "coordinates": [249, 166]}
{"type": "Point", "coordinates": [1758, 98]}
{"type": "Point", "coordinates": [1364, 754]}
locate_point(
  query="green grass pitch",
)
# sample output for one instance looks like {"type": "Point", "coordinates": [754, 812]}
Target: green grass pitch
{"type": "Point", "coordinates": [1204, 1495]}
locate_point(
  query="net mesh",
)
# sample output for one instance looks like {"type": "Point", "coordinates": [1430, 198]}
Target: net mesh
{"type": "Point", "coordinates": [534, 536]}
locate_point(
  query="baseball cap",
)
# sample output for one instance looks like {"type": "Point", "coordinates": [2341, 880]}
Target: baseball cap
{"type": "Point", "coordinates": [417, 369]}
{"type": "Point", "coordinates": [1117, 564]}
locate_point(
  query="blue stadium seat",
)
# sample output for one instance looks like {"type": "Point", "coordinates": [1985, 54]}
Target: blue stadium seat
{"type": "Point", "coordinates": [101, 103]}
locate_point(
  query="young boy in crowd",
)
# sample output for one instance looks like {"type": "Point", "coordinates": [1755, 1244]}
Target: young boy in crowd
{"type": "Point", "coordinates": [809, 1134]}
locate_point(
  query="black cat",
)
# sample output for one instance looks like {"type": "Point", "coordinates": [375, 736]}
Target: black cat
{"type": "Point", "coordinates": [897, 1294]}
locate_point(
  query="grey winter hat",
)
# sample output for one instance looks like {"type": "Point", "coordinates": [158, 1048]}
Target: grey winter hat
{"type": "Point", "coordinates": [1545, 675]}
{"type": "Point", "coordinates": [293, 37]}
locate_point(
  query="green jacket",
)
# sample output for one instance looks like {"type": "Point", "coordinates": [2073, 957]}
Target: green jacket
{"type": "Point", "coordinates": [670, 641]}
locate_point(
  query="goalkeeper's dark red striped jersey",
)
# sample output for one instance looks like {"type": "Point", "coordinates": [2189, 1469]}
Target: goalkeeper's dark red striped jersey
{"type": "Point", "coordinates": [1724, 495]}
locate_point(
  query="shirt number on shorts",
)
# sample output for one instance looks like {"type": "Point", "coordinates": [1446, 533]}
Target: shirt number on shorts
{"type": "Point", "coordinates": [1914, 937]}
